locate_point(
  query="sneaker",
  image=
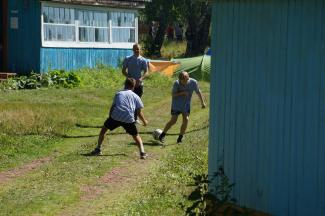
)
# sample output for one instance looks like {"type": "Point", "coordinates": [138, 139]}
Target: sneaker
{"type": "Point", "coordinates": [143, 155]}
{"type": "Point", "coordinates": [96, 151]}
{"type": "Point", "coordinates": [138, 122]}
{"type": "Point", "coordinates": [179, 139]}
{"type": "Point", "coordinates": [161, 138]}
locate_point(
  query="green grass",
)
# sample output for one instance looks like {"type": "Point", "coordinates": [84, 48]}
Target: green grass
{"type": "Point", "coordinates": [173, 49]}
{"type": "Point", "coordinates": [62, 124]}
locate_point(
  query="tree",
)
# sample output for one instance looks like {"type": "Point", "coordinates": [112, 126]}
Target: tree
{"type": "Point", "coordinates": [196, 14]}
{"type": "Point", "coordinates": [159, 11]}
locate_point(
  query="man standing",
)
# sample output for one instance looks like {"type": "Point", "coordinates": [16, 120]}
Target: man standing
{"type": "Point", "coordinates": [125, 104]}
{"type": "Point", "coordinates": [181, 103]}
{"type": "Point", "coordinates": [133, 66]}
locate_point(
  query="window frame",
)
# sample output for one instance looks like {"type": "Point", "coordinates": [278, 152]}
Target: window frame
{"type": "Point", "coordinates": [79, 44]}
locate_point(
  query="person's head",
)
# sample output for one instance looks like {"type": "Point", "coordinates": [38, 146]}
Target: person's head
{"type": "Point", "coordinates": [129, 83]}
{"type": "Point", "coordinates": [136, 49]}
{"type": "Point", "coordinates": [183, 77]}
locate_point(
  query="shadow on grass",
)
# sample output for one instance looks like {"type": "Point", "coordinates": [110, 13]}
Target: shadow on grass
{"type": "Point", "coordinates": [149, 143]}
{"type": "Point", "coordinates": [120, 133]}
{"type": "Point", "coordinates": [104, 155]}
{"type": "Point", "coordinates": [190, 131]}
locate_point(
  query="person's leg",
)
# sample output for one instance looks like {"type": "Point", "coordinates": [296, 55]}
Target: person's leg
{"type": "Point", "coordinates": [139, 90]}
{"type": "Point", "coordinates": [183, 127]}
{"type": "Point", "coordinates": [109, 124]}
{"type": "Point", "coordinates": [131, 129]}
{"type": "Point", "coordinates": [169, 124]}
{"type": "Point", "coordinates": [139, 142]}
{"type": "Point", "coordinates": [101, 137]}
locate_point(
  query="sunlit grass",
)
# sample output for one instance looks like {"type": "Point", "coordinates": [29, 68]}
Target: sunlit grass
{"type": "Point", "coordinates": [63, 124]}
{"type": "Point", "coordinates": [173, 49]}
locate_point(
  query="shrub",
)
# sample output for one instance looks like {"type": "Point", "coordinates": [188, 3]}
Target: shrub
{"type": "Point", "coordinates": [55, 78]}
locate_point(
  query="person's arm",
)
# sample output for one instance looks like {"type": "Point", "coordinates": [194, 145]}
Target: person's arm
{"type": "Point", "coordinates": [181, 93]}
{"type": "Point", "coordinates": [124, 71]}
{"type": "Point", "coordinates": [141, 116]}
{"type": "Point", "coordinates": [201, 99]}
{"type": "Point", "coordinates": [124, 67]}
{"type": "Point", "coordinates": [145, 71]}
{"type": "Point", "coordinates": [176, 92]}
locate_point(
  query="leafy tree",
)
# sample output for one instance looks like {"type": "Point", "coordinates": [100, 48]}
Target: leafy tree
{"type": "Point", "coordinates": [159, 11]}
{"type": "Point", "coordinates": [196, 14]}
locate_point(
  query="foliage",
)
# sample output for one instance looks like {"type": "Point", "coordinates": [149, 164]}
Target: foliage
{"type": "Point", "coordinates": [196, 15]}
{"type": "Point", "coordinates": [160, 11]}
{"type": "Point", "coordinates": [208, 202]}
{"type": "Point", "coordinates": [173, 49]}
{"type": "Point", "coordinates": [55, 78]}
{"type": "Point", "coordinates": [100, 77]}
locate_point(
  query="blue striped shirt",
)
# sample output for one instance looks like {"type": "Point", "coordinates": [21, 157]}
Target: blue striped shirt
{"type": "Point", "coordinates": [124, 106]}
{"type": "Point", "coordinates": [135, 66]}
{"type": "Point", "coordinates": [183, 103]}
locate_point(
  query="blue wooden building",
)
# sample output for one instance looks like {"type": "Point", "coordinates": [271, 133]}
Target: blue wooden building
{"type": "Point", "coordinates": [267, 122]}
{"type": "Point", "coordinates": [66, 34]}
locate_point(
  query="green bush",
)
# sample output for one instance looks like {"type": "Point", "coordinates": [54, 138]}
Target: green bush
{"type": "Point", "coordinates": [55, 78]}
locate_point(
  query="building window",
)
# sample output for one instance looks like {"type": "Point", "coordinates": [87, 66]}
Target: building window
{"type": "Point", "coordinates": [123, 27]}
{"type": "Point", "coordinates": [58, 24]}
{"type": "Point", "coordinates": [93, 26]}
{"type": "Point", "coordinates": [68, 26]}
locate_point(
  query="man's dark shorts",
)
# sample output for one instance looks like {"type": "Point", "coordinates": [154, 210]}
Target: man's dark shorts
{"type": "Point", "coordinates": [177, 112]}
{"type": "Point", "coordinates": [138, 90]}
{"type": "Point", "coordinates": [112, 124]}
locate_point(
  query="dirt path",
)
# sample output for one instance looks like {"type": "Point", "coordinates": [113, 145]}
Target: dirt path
{"type": "Point", "coordinates": [5, 176]}
{"type": "Point", "coordinates": [111, 187]}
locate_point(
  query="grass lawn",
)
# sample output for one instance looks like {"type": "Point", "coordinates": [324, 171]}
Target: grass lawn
{"type": "Point", "coordinates": [45, 135]}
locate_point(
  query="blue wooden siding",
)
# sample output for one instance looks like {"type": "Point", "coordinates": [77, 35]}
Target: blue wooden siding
{"type": "Point", "coordinates": [74, 58]}
{"type": "Point", "coordinates": [24, 42]}
{"type": "Point", "coordinates": [267, 120]}
{"type": "Point", "coordinates": [1, 35]}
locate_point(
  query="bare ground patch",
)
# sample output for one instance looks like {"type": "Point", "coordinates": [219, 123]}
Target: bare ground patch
{"type": "Point", "coordinates": [5, 176]}
{"type": "Point", "coordinates": [128, 172]}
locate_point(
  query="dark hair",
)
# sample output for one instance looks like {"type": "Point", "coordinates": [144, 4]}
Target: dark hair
{"type": "Point", "coordinates": [129, 83]}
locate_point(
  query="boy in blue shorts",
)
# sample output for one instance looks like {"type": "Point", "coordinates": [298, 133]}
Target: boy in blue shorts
{"type": "Point", "coordinates": [181, 103]}
{"type": "Point", "coordinates": [122, 113]}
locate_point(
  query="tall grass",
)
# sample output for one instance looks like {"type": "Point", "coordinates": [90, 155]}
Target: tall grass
{"type": "Point", "coordinates": [101, 76]}
{"type": "Point", "coordinates": [173, 49]}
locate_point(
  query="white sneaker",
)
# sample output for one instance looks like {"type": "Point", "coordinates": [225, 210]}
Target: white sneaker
{"type": "Point", "coordinates": [138, 122]}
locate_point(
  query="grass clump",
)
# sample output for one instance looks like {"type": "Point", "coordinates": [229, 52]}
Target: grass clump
{"type": "Point", "coordinates": [173, 49]}
{"type": "Point", "coordinates": [101, 76]}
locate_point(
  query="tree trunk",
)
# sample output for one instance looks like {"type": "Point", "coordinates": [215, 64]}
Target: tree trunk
{"type": "Point", "coordinates": [197, 32]}
{"type": "Point", "coordinates": [159, 39]}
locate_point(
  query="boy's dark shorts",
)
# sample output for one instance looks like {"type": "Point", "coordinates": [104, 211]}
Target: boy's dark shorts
{"type": "Point", "coordinates": [112, 124]}
{"type": "Point", "coordinates": [177, 112]}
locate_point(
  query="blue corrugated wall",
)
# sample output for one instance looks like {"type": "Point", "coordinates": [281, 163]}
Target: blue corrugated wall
{"type": "Point", "coordinates": [24, 42]}
{"type": "Point", "coordinates": [267, 120]}
{"type": "Point", "coordinates": [1, 35]}
{"type": "Point", "coordinates": [74, 58]}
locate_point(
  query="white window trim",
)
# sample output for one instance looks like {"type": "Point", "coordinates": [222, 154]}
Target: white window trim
{"type": "Point", "coordinates": [77, 43]}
